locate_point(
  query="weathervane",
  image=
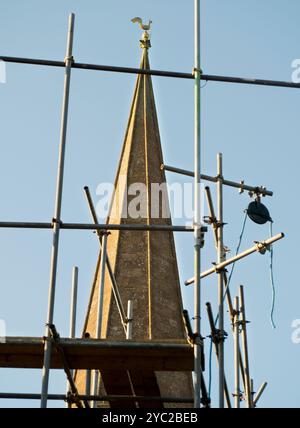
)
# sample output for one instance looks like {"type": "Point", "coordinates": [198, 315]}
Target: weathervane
{"type": "Point", "coordinates": [145, 41]}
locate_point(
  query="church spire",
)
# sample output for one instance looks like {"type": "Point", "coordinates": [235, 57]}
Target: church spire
{"type": "Point", "coordinates": [144, 263]}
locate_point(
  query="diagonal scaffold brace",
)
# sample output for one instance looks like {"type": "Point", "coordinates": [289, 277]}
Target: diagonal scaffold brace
{"type": "Point", "coordinates": [205, 399]}
{"type": "Point", "coordinates": [115, 288]}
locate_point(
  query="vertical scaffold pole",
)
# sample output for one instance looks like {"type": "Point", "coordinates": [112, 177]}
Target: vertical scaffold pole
{"type": "Point", "coordinates": [73, 302]}
{"type": "Point", "coordinates": [57, 215]}
{"type": "Point", "coordinates": [129, 320]}
{"type": "Point", "coordinates": [73, 311]}
{"type": "Point", "coordinates": [236, 325]}
{"type": "Point", "coordinates": [245, 348]}
{"type": "Point", "coordinates": [88, 374]}
{"type": "Point", "coordinates": [221, 257]}
{"type": "Point", "coordinates": [197, 215]}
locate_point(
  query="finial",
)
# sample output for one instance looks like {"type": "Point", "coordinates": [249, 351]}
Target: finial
{"type": "Point", "coordinates": [145, 41]}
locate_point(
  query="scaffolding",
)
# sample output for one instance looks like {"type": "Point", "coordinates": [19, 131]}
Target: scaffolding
{"type": "Point", "coordinates": [99, 354]}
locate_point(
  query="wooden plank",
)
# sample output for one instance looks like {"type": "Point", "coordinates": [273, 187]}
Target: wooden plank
{"type": "Point", "coordinates": [17, 352]}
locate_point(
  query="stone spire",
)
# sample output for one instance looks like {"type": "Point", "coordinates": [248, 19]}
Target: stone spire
{"type": "Point", "coordinates": [144, 263]}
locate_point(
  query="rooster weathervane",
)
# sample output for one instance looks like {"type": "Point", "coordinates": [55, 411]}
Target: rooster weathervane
{"type": "Point", "coordinates": [145, 42]}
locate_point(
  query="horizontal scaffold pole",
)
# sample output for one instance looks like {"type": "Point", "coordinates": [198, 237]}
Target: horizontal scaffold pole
{"type": "Point", "coordinates": [260, 247]}
{"type": "Point", "coordinates": [88, 226]}
{"type": "Point", "coordinates": [162, 73]}
{"type": "Point", "coordinates": [241, 185]}
{"type": "Point", "coordinates": [57, 397]}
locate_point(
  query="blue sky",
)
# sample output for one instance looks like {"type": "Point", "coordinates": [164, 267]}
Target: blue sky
{"type": "Point", "coordinates": [256, 128]}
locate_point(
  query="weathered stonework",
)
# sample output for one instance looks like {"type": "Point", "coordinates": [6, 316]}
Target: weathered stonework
{"type": "Point", "coordinates": [144, 263]}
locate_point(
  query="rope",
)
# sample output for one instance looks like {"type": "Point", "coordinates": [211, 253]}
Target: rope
{"type": "Point", "coordinates": [224, 296]}
{"type": "Point", "coordinates": [272, 280]}
{"type": "Point", "coordinates": [236, 253]}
